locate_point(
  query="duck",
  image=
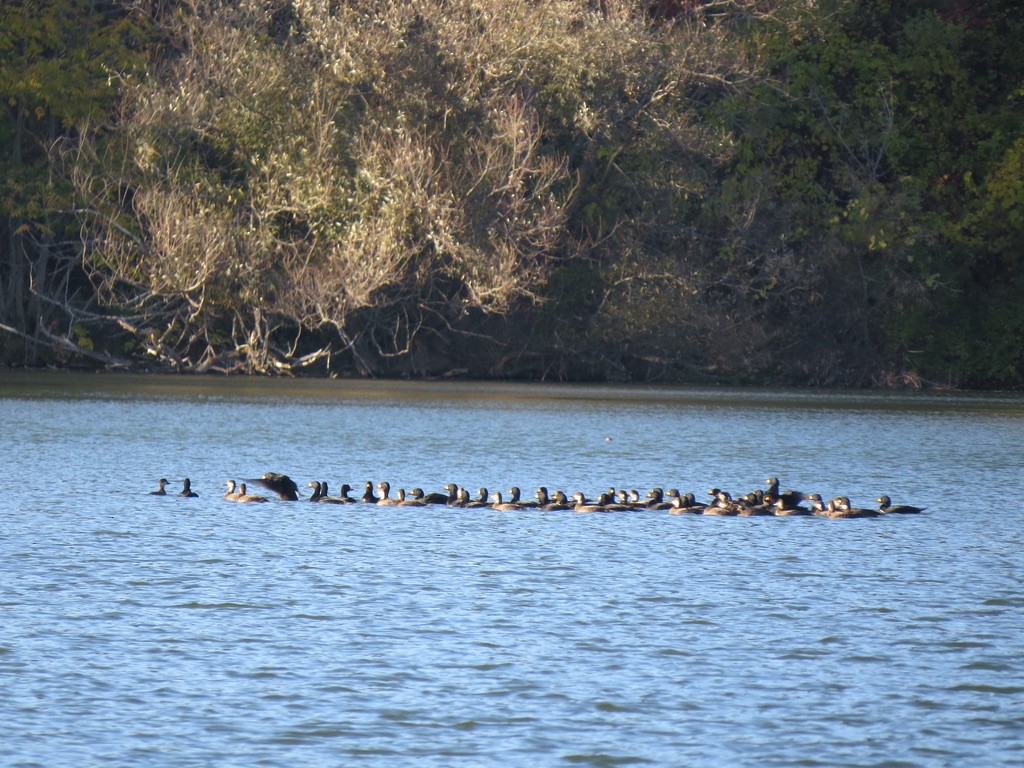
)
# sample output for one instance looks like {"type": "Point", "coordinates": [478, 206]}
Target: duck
{"type": "Point", "coordinates": [318, 491]}
{"type": "Point", "coordinates": [542, 497]}
{"type": "Point", "coordinates": [687, 503]}
{"type": "Point", "coordinates": [582, 505]}
{"type": "Point", "coordinates": [404, 502]}
{"type": "Point", "coordinates": [161, 489]}
{"type": "Point", "coordinates": [514, 498]}
{"type": "Point", "coordinates": [607, 500]}
{"type": "Point", "coordinates": [385, 499]}
{"type": "Point", "coordinates": [722, 506]}
{"type": "Point", "coordinates": [482, 499]}
{"type": "Point", "coordinates": [453, 499]}
{"type": "Point", "coordinates": [656, 499]}
{"type": "Point", "coordinates": [368, 495]}
{"type": "Point", "coordinates": [843, 503]}
{"type": "Point", "coordinates": [186, 489]}
{"type": "Point", "coordinates": [232, 494]}
{"type": "Point", "coordinates": [326, 498]}
{"type": "Point", "coordinates": [681, 505]}
{"type": "Point", "coordinates": [245, 497]}
{"type": "Point", "coordinates": [790, 498]}
{"type": "Point", "coordinates": [751, 505]}
{"type": "Point", "coordinates": [817, 506]}
{"type": "Point", "coordinates": [503, 506]}
{"type": "Point", "coordinates": [840, 508]}
{"type": "Point", "coordinates": [417, 494]}
{"type": "Point", "coordinates": [282, 485]}
{"type": "Point", "coordinates": [781, 510]}
{"type": "Point", "coordinates": [560, 501]}
{"type": "Point", "coordinates": [886, 507]}
{"type": "Point", "coordinates": [689, 500]}
{"type": "Point", "coordinates": [830, 510]}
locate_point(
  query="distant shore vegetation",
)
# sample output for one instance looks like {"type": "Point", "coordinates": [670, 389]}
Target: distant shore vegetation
{"type": "Point", "coordinates": [783, 192]}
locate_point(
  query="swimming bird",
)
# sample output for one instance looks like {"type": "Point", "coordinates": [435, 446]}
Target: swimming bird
{"type": "Point", "coordinates": [514, 494]}
{"type": "Point", "coordinates": [245, 497]}
{"type": "Point", "coordinates": [385, 499]}
{"type": "Point", "coordinates": [839, 508]}
{"type": "Point", "coordinates": [453, 498]}
{"type": "Point", "coordinates": [582, 505]}
{"type": "Point", "coordinates": [454, 495]}
{"type": "Point", "coordinates": [781, 510]}
{"type": "Point", "coordinates": [623, 497]}
{"type": "Point", "coordinates": [689, 500]}
{"type": "Point", "coordinates": [162, 490]}
{"type": "Point", "coordinates": [404, 502]}
{"type": "Point", "coordinates": [817, 505]}
{"type": "Point", "coordinates": [232, 494]}
{"type": "Point", "coordinates": [559, 501]}
{"type": "Point", "coordinates": [549, 504]}
{"type": "Point", "coordinates": [368, 495]}
{"type": "Point", "coordinates": [843, 503]}
{"type": "Point", "coordinates": [608, 502]}
{"type": "Point", "coordinates": [503, 506]}
{"type": "Point", "coordinates": [345, 490]}
{"type": "Point", "coordinates": [318, 490]}
{"type": "Point", "coordinates": [885, 506]}
{"type": "Point", "coordinates": [416, 494]}
{"type": "Point", "coordinates": [282, 485]}
{"type": "Point", "coordinates": [790, 498]}
{"type": "Point", "coordinates": [482, 499]}
{"type": "Point", "coordinates": [186, 489]}
{"type": "Point", "coordinates": [751, 505]}
{"type": "Point", "coordinates": [656, 499]}
{"type": "Point", "coordinates": [326, 498]}
{"type": "Point", "coordinates": [685, 504]}
{"type": "Point", "coordinates": [722, 506]}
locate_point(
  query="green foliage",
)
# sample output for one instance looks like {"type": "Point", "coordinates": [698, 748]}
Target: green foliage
{"type": "Point", "coordinates": [60, 65]}
{"type": "Point", "coordinates": [797, 192]}
{"type": "Point", "coordinates": [887, 143]}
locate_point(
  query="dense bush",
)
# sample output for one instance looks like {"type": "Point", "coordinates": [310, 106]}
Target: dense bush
{"type": "Point", "coordinates": [785, 192]}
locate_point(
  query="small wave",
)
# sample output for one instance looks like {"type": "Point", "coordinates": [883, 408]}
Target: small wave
{"type": "Point", "coordinates": [988, 666]}
{"type": "Point", "coordinates": [1003, 690]}
{"type": "Point", "coordinates": [602, 759]}
{"type": "Point", "coordinates": [803, 654]}
{"type": "Point", "coordinates": [196, 604]}
{"type": "Point", "coordinates": [1013, 602]}
{"type": "Point", "coordinates": [611, 706]}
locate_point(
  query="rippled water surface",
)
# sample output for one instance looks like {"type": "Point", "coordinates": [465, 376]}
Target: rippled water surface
{"type": "Point", "coordinates": [141, 630]}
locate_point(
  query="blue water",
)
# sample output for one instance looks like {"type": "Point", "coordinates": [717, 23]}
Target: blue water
{"type": "Point", "coordinates": [141, 630]}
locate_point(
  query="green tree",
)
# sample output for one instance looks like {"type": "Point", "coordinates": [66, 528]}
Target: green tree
{"type": "Point", "coordinates": [59, 64]}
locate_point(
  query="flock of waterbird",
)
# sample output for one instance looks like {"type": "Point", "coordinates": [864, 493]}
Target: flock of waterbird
{"type": "Point", "coordinates": [769, 501]}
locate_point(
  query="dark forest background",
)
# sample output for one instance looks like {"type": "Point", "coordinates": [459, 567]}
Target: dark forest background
{"type": "Point", "coordinates": [782, 192]}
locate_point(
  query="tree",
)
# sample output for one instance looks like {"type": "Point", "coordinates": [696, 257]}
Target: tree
{"type": "Point", "coordinates": [58, 63]}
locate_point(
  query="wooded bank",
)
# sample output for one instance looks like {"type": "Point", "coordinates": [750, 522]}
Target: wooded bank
{"type": "Point", "coordinates": [782, 192]}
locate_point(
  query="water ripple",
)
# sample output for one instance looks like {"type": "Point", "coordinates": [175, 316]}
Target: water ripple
{"type": "Point", "coordinates": [164, 632]}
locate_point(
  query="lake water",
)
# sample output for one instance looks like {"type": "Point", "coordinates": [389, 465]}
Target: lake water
{"type": "Point", "coordinates": [162, 631]}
